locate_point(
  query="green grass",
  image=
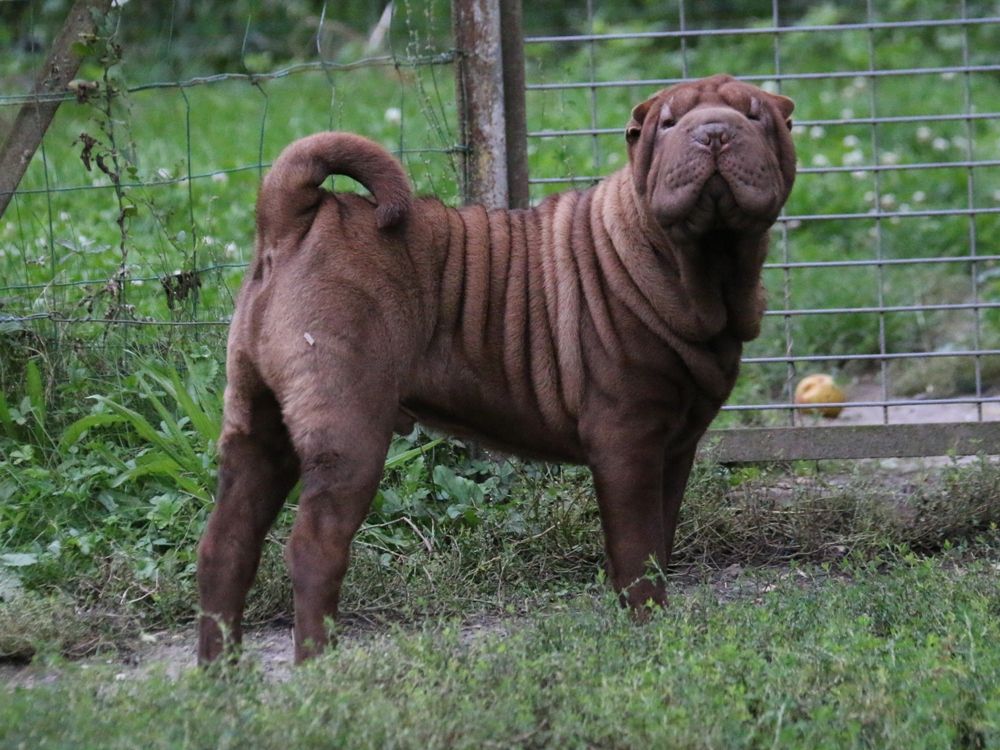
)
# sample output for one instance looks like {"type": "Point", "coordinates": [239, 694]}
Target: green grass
{"type": "Point", "coordinates": [904, 657]}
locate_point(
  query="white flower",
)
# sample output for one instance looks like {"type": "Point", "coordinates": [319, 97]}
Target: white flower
{"type": "Point", "coordinates": [996, 196]}
{"type": "Point", "coordinates": [798, 129]}
{"type": "Point", "coordinates": [854, 158]}
{"type": "Point", "coordinates": [889, 157]}
{"type": "Point", "coordinates": [924, 134]}
{"type": "Point", "coordinates": [816, 132]}
{"type": "Point", "coordinates": [221, 177]}
{"type": "Point", "coordinates": [820, 160]}
{"type": "Point", "coordinates": [64, 216]}
{"type": "Point", "coordinates": [940, 144]}
{"type": "Point", "coordinates": [869, 197]}
{"type": "Point", "coordinates": [163, 173]}
{"type": "Point", "coordinates": [859, 175]}
{"type": "Point", "coordinates": [960, 141]}
{"type": "Point", "coordinates": [851, 141]}
{"type": "Point", "coordinates": [137, 282]}
{"type": "Point", "coordinates": [231, 249]}
{"type": "Point", "coordinates": [950, 75]}
{"type": "Point", "coordinates": [394, 115]}
{"type": "Point", "coordinates": [208, 240]}
{"type": "Point", "coordinates": [770, 86]}
{"type": "Point", "coordinates": [859, 82]}
{"type": "Point", "coordinates": [919, 196]}
{"type": "Point", "coordinates": [888, 201]}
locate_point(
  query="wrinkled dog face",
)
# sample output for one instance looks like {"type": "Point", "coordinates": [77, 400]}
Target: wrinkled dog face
{"type": "Point", "coordinates": [712, 155]}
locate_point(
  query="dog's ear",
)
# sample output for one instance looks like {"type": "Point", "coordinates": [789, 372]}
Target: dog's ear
{"type": "Point", "coordinates": [634, 127]}
{"type": "Point", "coordinates": [640, 136]}
{"type": "Point", "coordinates": [785, 107]}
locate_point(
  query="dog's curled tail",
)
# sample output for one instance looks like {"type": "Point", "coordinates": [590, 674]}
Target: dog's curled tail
{"type": "Point", "coordinates": [291, 191]}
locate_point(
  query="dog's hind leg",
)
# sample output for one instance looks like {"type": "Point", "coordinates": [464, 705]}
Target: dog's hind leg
{"type": "Point", "coordinates": [257, 469]}
{"type": "Point", "coordinates": [342, 452]}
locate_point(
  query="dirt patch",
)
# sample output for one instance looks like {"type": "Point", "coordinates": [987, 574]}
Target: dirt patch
{"type": "Point", "coordinates": [270, 647]}
{"type": "Point", "coordinates": [914, 412]}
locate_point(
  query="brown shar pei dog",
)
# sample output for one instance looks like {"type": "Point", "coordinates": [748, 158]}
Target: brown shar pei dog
{"type": "Point", "coordinates": [602, 327]}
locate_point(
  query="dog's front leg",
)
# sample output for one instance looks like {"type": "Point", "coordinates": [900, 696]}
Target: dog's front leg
{"type": "Point", "coordinates": [629, 479]}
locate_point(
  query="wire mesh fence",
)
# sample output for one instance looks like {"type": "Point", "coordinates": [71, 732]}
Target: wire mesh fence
{"type": "Point", "coordinates": [134, 223]}
{"type": "Point", "coordinates": [884, 266]}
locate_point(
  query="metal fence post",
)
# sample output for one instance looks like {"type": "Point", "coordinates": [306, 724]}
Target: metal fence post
{"type": "Point", "coordinates": [512, 43]}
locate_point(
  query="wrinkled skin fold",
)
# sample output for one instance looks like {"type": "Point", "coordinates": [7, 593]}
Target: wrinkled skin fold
{"type": "Point", "coordinates": [601, 327]}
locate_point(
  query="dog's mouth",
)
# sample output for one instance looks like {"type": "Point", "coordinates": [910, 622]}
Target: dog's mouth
{"type": "Point", "coordinates": [714, 207]}
{"type": "Point", "coordinates": [716, 189]}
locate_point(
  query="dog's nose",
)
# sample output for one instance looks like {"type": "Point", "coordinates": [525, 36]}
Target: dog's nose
{"type": "Point", "coordinates": [714, 135]}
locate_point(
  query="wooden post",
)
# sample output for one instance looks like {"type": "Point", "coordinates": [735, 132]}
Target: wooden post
{"type": "Point", "coordinates": [34, 117]}
{"type": "Point", "coordinates": [479, 91]}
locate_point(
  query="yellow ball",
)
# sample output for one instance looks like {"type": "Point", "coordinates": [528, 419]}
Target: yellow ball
{"type": "Point", "coordinates": [820, 389]}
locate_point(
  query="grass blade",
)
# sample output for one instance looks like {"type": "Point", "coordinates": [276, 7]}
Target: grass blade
{"type": "Point", "coordinates": [6, 421]}
{"type": "Point", "coordinates": [77, 429]}
{"type": "Point", "coordinates": [406, 456]}
{"type": "Point", "coordinates": [36, 391]}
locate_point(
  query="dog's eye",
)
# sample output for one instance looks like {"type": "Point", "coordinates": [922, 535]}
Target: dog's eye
{"type": "Point", "coordinates": [754, 113]}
